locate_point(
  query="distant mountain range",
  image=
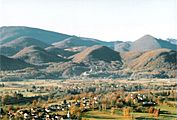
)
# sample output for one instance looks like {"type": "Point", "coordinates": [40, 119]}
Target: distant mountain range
{"type": "Point", "coordinates": [37, 53]}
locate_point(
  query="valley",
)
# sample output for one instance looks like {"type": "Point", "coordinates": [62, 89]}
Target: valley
{"type": "Point", "coordinates": [45, 75]}
{"type": "Point", "coordinates": [89, 99]}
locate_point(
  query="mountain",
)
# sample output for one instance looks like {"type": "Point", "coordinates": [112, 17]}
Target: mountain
{"type": "Point", "coordinates": [145, 43]}
{"type": "Point", "coordinates": [172, 41]}
{"type": "Point", "coordinates": [37, 55]}
{"type": "Point", "coordinates": [12, 64]}
{"type": "Point", "coordinates": [59, 51]}
{"type": "Point", "coordinates": [56, 55]}
{"type": "Point", "coordinates": [159, 58]}
{"type": "Point", "coordinates": [12, 47]}
{"type": "Point", "coordinates": [160, 63]}
{"type": "Point", "coordinates": [96, 53]}
{"type": "Point", "coordinates": [10, 33]}
{"type": "Point", "coordinates": [149, 42]}
{"type": "Point", "coordinates": [81, 43]}
{"type": "Point", "coordinates": [93, 61]}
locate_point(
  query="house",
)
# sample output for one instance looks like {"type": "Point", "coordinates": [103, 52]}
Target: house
{"type": "Point", "coordinates": [149, 103]}
{"type": "Point", "coordinates": [26, 116]}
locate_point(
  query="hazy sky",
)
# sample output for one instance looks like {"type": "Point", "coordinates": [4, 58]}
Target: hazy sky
{"type": "Point", "coordinates": [102, 19]}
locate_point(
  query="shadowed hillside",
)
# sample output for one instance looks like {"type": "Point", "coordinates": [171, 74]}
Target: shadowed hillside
{"type": "Point", "coordinates": [18, 44]}
{"type": "Point", "coordinates": [36, 55]}
{"type": "Point", "coordinates": [59, 52]}
{"type": "Point", "coordinates": [12, 64]}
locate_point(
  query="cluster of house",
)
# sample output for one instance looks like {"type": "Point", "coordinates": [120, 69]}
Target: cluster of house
{"type": "Point", "coordinates": [36, 114]}
{"type": "Point", "coordinates": [141, 98]}
{"type": "Point", "coordinates": [50, 112]}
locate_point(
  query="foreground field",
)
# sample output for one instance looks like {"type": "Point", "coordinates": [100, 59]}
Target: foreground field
{"type": "Point", "coordinates": [168, 113]}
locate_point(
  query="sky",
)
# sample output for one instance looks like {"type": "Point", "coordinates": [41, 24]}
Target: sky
{"type": "Point", "coordinates": [109, 20]}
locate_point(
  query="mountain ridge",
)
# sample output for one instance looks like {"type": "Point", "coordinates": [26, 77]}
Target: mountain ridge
{"type": "Point", "coordinates": [70, 56]}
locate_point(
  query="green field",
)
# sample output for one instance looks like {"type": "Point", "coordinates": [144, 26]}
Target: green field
{"type": "Point", "coordinates": [167, 113]}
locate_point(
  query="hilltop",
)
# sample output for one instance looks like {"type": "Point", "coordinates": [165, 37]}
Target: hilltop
{"type": "Point", "coordinates": [145, 43]}
{"type": "Point", "coordinates": [97, 53]}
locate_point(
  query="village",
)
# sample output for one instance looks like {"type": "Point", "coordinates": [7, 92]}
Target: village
{"type": "Point", "coordinates": [74, 99]}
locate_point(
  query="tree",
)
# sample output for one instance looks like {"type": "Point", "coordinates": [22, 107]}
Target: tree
{"type": "Point", "coordinates": [93, 104]}
{"type": "Point", "coordinates": [64, 101]}
{"type": "Point", "coordinates": [10, 108]}
{"type": "Point", "coordinates": [126, 111]}
{"type": "Point", "coordinates": [76, 97]}
{"type": "Point", "coordinates": [104, 103]}
{"type": "Point", "coordinates": [4, 99]}
{"type": "Point", "coordinates": [156, 112]}
{"type": "Point", "coordinates": [81, 106]}
{"type": "Point", "coordinates": [34, 87]}
{"type": "Point", "coordinates": [112, 110]}
{"type": "Point", "coordinates": [34, 103]}
{"type": "Point", "coordinates": [75, 112]}
{"type": "Point", "coordinates": [113, 101]}
{"type": "Point", "coordinates": [151, 110]}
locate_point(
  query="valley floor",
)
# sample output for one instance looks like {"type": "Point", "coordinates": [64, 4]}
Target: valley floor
{"type": "Point", "coordinates": [89, 99]}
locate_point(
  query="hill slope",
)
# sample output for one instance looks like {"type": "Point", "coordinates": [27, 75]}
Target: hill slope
{"type": "Point", "coordinates": [159, 63]}
{"type": "Point", "coordinates": [159, 58]}
{"type": "Point", "coordinates": [12, 64]}
{"type": "Point", "coordinates": [74, 42]}
{"type": "Point", "coordinates": [10, 33]}
{"type": "Point", "coordinates": [12, 47]}
{"type": "Point", "coordinates": [95, 53]}
{"type": "Point", "coordinates": [59, 51]}
{"type": "Point", "coordinates": [36, 55]}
